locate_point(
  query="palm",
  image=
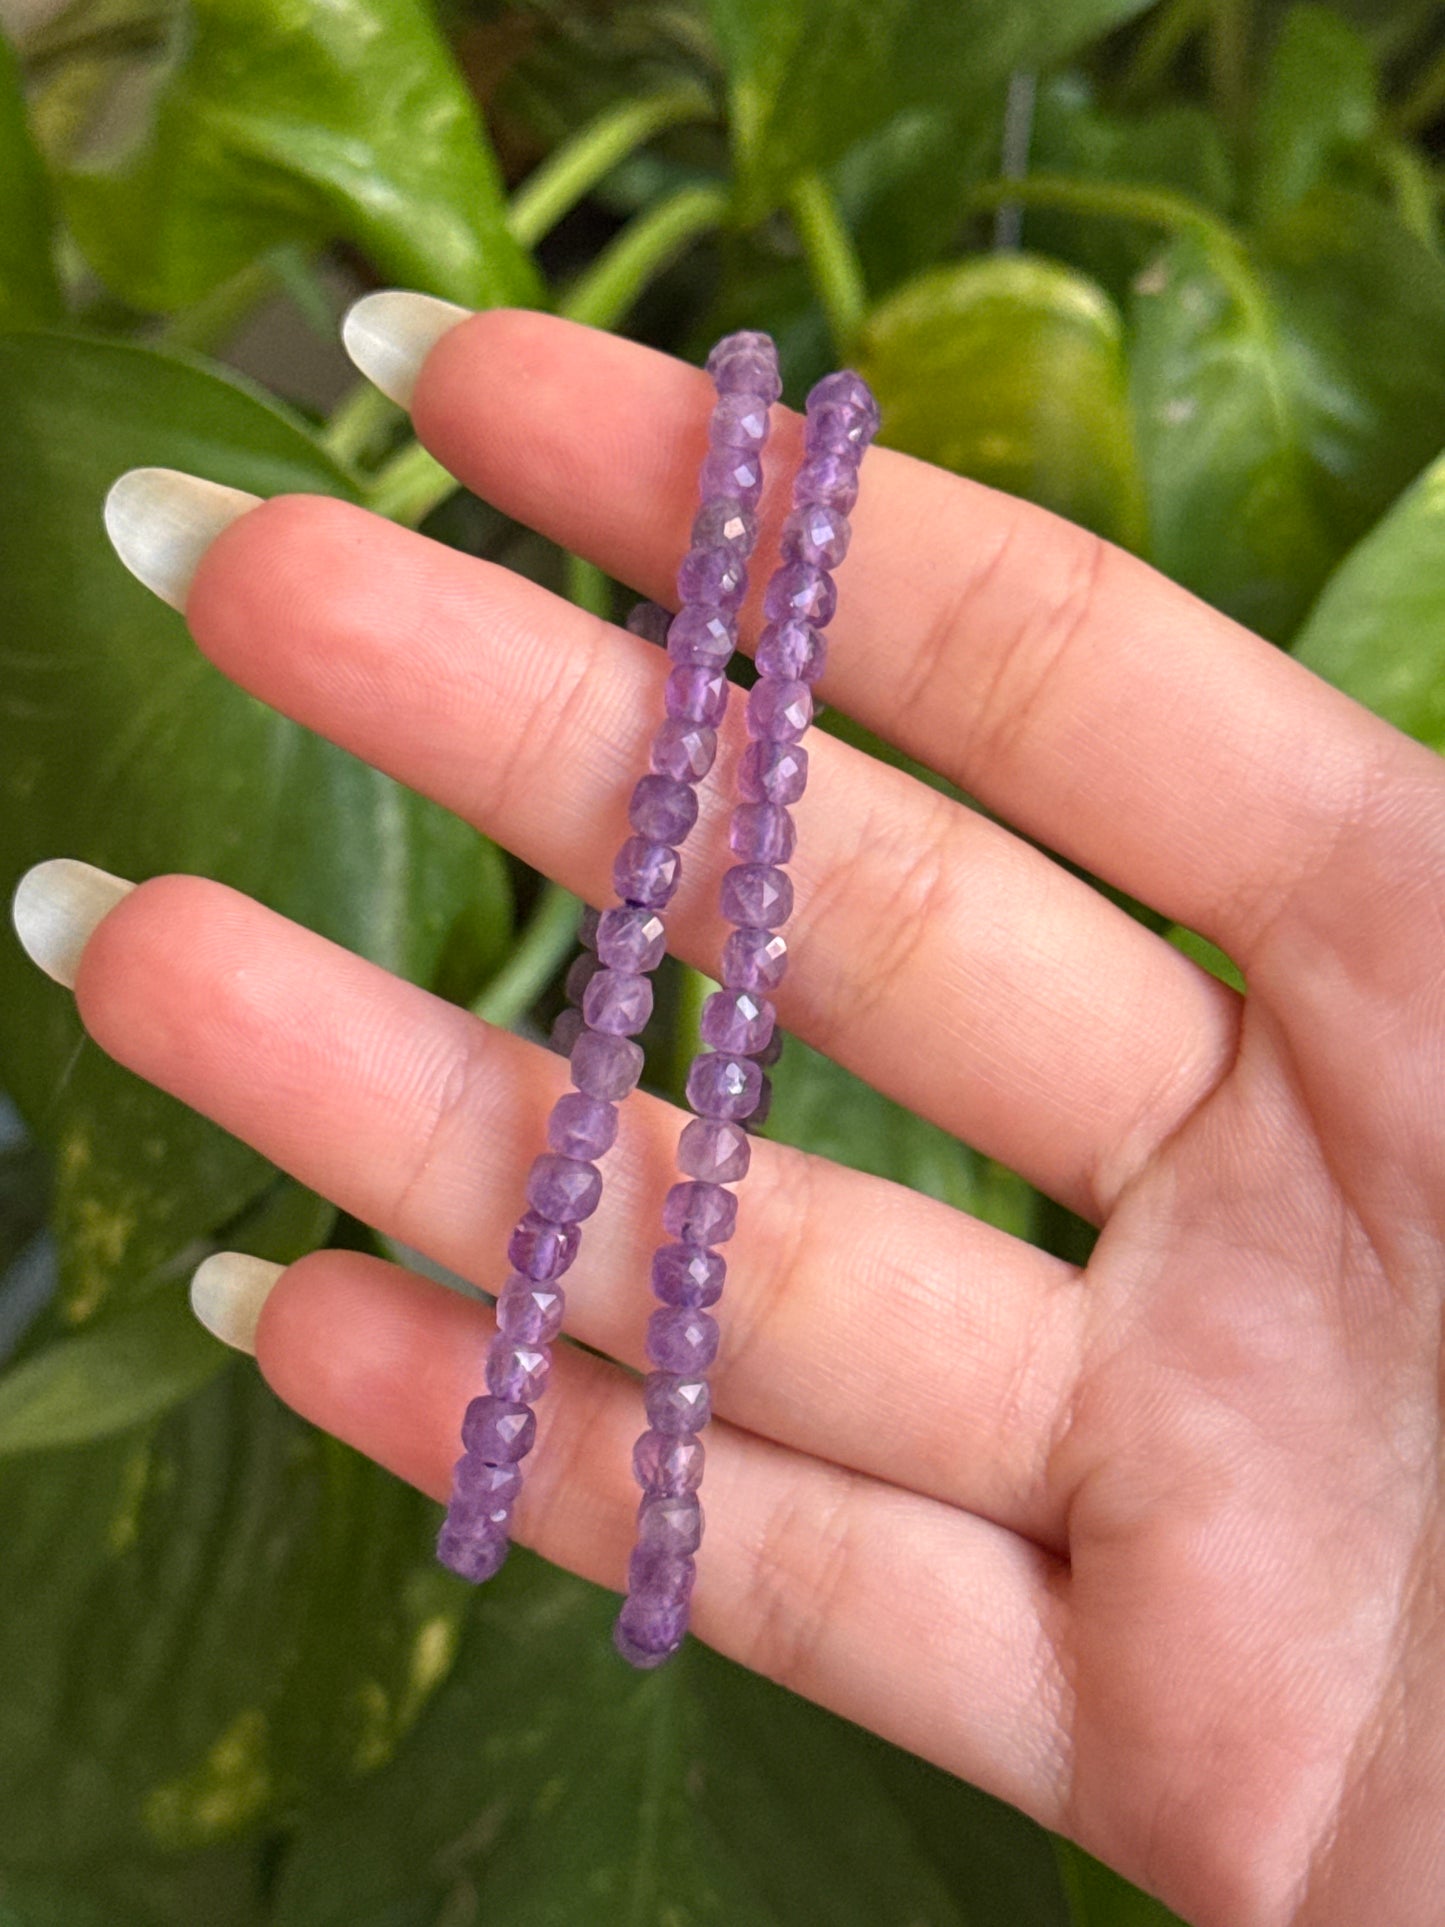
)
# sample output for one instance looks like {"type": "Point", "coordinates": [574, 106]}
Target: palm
{"type": "Point", "coordinates": [1145, 1550]}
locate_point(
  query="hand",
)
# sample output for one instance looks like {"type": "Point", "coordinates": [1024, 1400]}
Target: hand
{"type": "Point", "coordinates": [1153, 1550]}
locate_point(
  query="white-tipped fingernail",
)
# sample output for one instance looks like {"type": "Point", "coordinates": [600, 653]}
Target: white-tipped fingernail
{"type": "Point", "coordinates": [227, 1293]}
{"type": "Point", "coordinates": [389, 335]}
{"type": "Point", "coordinates": [55, 907]}
{"type": "Point", "coordinates": [161, 521]}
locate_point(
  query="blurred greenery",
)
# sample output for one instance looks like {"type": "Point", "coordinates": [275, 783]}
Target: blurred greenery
{"type": "Point", "coordinates": [1172, 270]}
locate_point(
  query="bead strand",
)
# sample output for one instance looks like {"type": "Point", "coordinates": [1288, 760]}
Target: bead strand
{"type": "Point", "coordinates": [564, 1185]}
{"type": "Point", "coordinates": [726, 1084]}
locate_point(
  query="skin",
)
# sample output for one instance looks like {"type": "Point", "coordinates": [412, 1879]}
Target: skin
{"type": "Point", "coordinates": [1152, 1549]}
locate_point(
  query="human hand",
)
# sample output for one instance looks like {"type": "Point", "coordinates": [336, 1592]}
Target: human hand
{"type": "Point", "coordinates": [1152, 1550]}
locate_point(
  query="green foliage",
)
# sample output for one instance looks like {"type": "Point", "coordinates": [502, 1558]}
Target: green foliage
{"type": "Point", "coordinates": [29, 291]}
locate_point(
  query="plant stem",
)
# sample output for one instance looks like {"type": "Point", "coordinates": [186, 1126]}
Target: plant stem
{"type": "Point", "coordinates": [833, 263]}
{"type": "Point", "coordinates": [1018, 130]}
{"type": "Point", "coordinates": [1228, 59]}
{"type": "Point", "coordinates": [602, 293]}
{"type": "Point", "coordinates": [1168, 31]}
{"type": "Point", "coordinates": [559, 183]}
{"type": "Point", "coordinates": [410, 486]}
{"type": "Point", "coordinates": [357, 423]}
{"type": "Point", "coordinates": [1424, 102]}
{"type": "Point", "coordinates": [549, 935]}
{"type": "Point", "coordinates": [207, 323]}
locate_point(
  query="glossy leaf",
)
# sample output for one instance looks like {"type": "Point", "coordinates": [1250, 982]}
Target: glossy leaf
{"type": "Point", "coordinates": [1009, 368]}
{"type": "Point", "coordinates": [274, 122]}
{"type": "Point", "coordinates": [29, 291]}
{"type": "Point", "coordinates": [1098, 1897]}
{"type": "Point", "coordinates": [1319, 107]}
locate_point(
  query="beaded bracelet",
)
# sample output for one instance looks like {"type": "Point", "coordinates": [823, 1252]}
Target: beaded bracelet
{"type": "Point", "coordinates": [726, 1084]}
{"type": "Point", "coordinates": [564, 1185]}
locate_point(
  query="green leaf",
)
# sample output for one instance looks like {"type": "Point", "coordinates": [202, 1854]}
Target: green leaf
{"type": "Point", "coordinates": [547, 1782]}
{"type": "Point", "coordinates": [1206, 954]}
{"type": "Point", "coordinates": [807, 78]}
{"type": "Point", "coordinates": [305, 122]}
{"type": "Point", "coordinates": [1320, 106]}
{"type": "Point", "coordinates": [29, 290]}
{"type": "Point", "coordinates": [1009, 368]}
{"type": "Point", "coordinates": [1378, 630]}
{"type": "Point", "coordinates": [121, 744]}
{"type": "Point", "coordinates": [1283, 398]}
{"type": "Point", "coordinates": [1098, 1897]}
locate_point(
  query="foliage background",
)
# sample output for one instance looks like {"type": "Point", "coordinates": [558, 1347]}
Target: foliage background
{"type": "Point", "coordinates": [1172, 270]}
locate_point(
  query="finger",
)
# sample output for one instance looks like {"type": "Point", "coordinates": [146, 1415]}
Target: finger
{"type": "Point", "coordinates": [924, 1624]}
{"type": "Point", "coordinates": [936, 955]}
{"type": "Point", "coordinates": [420, 1120]}
{"type": "Point", "coordinates": [1077, 692]}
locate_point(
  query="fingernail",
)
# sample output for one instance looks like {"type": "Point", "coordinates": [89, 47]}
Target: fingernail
{"type": "Point", "coordinates": [389, 335]}
{"type": "Point", "coordinates": [55, 907]}
{"type": "Point", "coordinates": [161, 521]}
{"type": "Point", "coordinates": [227, 1293]}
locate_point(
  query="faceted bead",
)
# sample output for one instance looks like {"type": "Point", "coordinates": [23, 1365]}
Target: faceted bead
{"type": "Point", "coordinates": [829, 479]}
{"type": "Point", "coordinates": [737, 1020]}
{"type": "Point", "coordinates": [697, 695]}
{"type": "Point", "coordinates": [714, 1150]}
{"type": "Point", "coordinates": [631, 939]}
{"type": "Point", "coordinates": [618, 1002]}
{"type": "Point", "coordinates": [649, 620]}
{"type": "Point", "coordinates": [846, 389]}
{"type": "Point", "coordinates": [499, 1430]}
{"type": "Point", "coordinates": [716, 576]}
{"type": "Point", "coordinates": [815, 534]}
{"type": "Point", "coordinates": [779, 712]}
{"type": "Point", "coordinates": [802, 593]}
{"type": "Point", "coordinates": [762, 833]}
{"type": "Point", "coordinates": [723, 1084]}
{"type": "Point", "coordinates": [646, 1635]}
{"type": "Point", "coordinates": [676, 1403]}
{"type": "Point", "coordinates": [541, 1249]}
{"type": "Point", "coordinates": [474, 1482]}
{"type": "Point", "coordinates": [738, 420]}
{"type": "Point", "coordinates": [475, 1556]}
{"type": "Point", "coordinates": [754, 960]}
{"type": "Point", "coordinates": [478, 1517]}
{"type": "Point", "coordinates": [587, 927]}
{"type": "Point", "coordinates": [671, 1525]}
{"type": "Point", "coordinates": [684, 750]}
{"type": "Point", "coordinates": [746, 360]}
{"type": "Point", "coordinates": [702, 636]}
{"type": "Point", "coordinates": [660, 1578]}
{"type": "Point", "coordinates": [563, 1190]}
{"type": "Point", "coordinates": [772, 772]}
{"type": "Point", "coordinates": [700, 1214]}
{"type": "Point", "coordinates": [681, 1340]}
{"type": "Point", "coordinates": [836, 430]}
{"type": "Point", "coordinates": [724, 525]}
{"type": "Point", "coordinates": [667, 1464]}
{"type": "Point", "coordinates": [770, 1052]}
{"type": "Point", "coordinates": [686, 1275]}
{"type": "Point", "coordinates": [759, 1116]}
{"type": "Point", "coordinates": [517, 1372]}
{"type": "Point", "coordinates": [733, 473]}
{"type": "Point", "coordinates": [793, 651]}
{"type": "Point", "coordinates": [581, 1126]}
{"type": "Point", "coordinates": [605, 1066]}
{"type": "Point", "coordinates": [662, 809]}
{"type": "Point", "coordinates": [580, 973]}
{"type": "Point", "coordinates": [566, 1029]}
{"type": "Point", "coordinates": [646, 872]}
{"type": "Point", "coordinates": [529, 1312]}
{"type": "Point", "coordinates": [759, 894]}
{"type": "Point", "coordinates": [742, 341]}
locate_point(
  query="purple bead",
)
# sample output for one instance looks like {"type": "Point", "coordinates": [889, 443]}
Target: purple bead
{"type": "Point", "coordinates": [646, 1635]}
{"type": "Point", "coordinates": [476, 1517]}
{"type": "Point", "coordinates": [662, 809]}
{"type": "Point", "coordinates": [618, 1002]}
{"type": "Point", "coordinates": [736, 1020]}
{"type": "Point", "coordinates": [631, 939]}
{"type": "Point", "coordinates": [801, 593]}
{"type": "Point", "coordinates": [646, 872]}
{"type": "Point", "coordinates": [768, 1055]}
{"type": "Point", "coordinates": [685, 1275]}
{"type": "Point", "coordinates": [714, 1150]}
{"type": "Point", "coordinates": [649, 620]}
{"type": "Point", "coordinates": [758, 1117]}
{"type": "Point", "coordinates": [716, 576]}
{"type": "Point", "coordinates": [738, 420]}
{"type": "Point", "coordinates": [566, 1029]}
{"type": "Point", "coordinates": [684, 750]}
{"type": "Point", "coordinates": [757, 894]}
{"type": "Point", "coordinates": [660, 1578]}
{"type": "Point", "coordinates": [702, 637]}
{"type": "Point", "coordinates": [779, 712]}
{"type": "Point", "coordinates": [518, 1372]}
{"type": "Point", "coordinates": [671, 1525]}
{"type": "Point", "coordinates": [541, 1249]}
{"type": "Point", "coordinates": [581, 1126]}
{"type": "Point", "coordinates": [681, 1340]}
{"type": "Point", "coordinates": [792, 651]}
{"type": "Point", "coordinates": [475, 1556]}
{"type": "Point", "coordinates": [700, 1214]}
{"type": "Point", "coordinates": [815, 534]}
{"type": "Point", "coordinates": [563, 1190]}
{"type": "Point", "coordinates": [476, 1483]}
{"type": "Point", "coordinates": [580, 973]}
{"type": "Point", "coordinates": [697, 695]}
{"type": "Point", "coordinates": [735, 474]}
{"type": "Point", "coordinates": [668, 1465]}
{"type": "Point", "coordinates": [499, 1430]}
{"type": "Point", "coordinates": [829, 479]}
{"type": "Point", "coordinates": [762, 833]}
{"type": "Point", "coordinates": [724, 525]}
{"type": "Point", "coordinates": [836, 430]}
{"type": "Point", "coordinates": [742, 341]}
{"type": "Point", "coordinates": [587, 927]}
{"type": "Point", "coordinates": [604, 1066]}
{"type": "Point", "coordinates": [529, 1312]}
{"type": "Point", "coordinates": [723, 1084]}
{"type": "Point", "coordinates": [847, 390]}
{"type": "Point", "coordinates": [754, 960]}
{"type": "Point", "coordinates": [748, 360]}
{"type": "Point", "coordinates": [772, 772]}
{"type": "Point", "coordinates": [675, 1404]}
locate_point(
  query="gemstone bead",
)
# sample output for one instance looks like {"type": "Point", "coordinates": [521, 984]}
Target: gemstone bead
{"type": "Point", "coordinates": [758, 1117]}
{"type": "Point", "coordinates": [604, 1066]}
{"type": "Point", "coordinates": [779, 711]}
{"type": "Point", "coordinates": [682, 749]}
{"type": "Point", "coordinates": [660, 1578]}
{"type": "Point", "coordinates": [671, 1525]}
{"type": "Point", "coordinates": [759, 894]}
{"type": "Point", "coordinates": [680, 1340]}
{"type": "Point", "coordinates": [631, 939]}
{"type": "Point", "coordinates": [802, 593]}
{"type": "Point", "coordinates": [563, 1190]}
{"type": "Point", "coordinates": [737, 1020]}
{"type": "Point", "coordinates": [662, 809]}
{"type": "Point", "coordinates": [723, 1084]}
{"type": "Point", "coordinates": [772, 772]}
{"type": "Point", "coordinates": [702, 636]}
{"type": "Point", "coordinates": [566, 1029]}
{"type": "Point", "coordinates": [792, 650]}
{"type": "Point", "coordinates": [676, 1403]}
{"type": "Point", "coordinates": [697, 695]}
{"type": "Point", "coordinates": [716, 576]}
{"type": "Point", "coordinates": [580, 972]}
{"type": "Point", "coordinates": [700, 1214]}
{"type": "Point", "coordinates": [476, 1556]}
{"type": "Point", "coordinates": [518, 1372]}
{"type": "Point", "coordinates": [581, 1126]}
{"type": "Point", "coordinates": [529, 1312]}
{"type": "Point", "coordinates": [733, 473]}
{"type": "Point", "coordinates": [831, 479]}
{"type": "Point", "coordinates": [724, 525]}
{"type": "Point", "coordinates": [646, 872]}
{"type": "Point", "coordinates": [815, 534]}
{"type": "Point", "coordinates": [649, 620]}
{"type": "Point", "coordinates": [686, 1275]}
{"type": "Point", "coordinates": [667, 1464]}
{"type": "Point", "coordinates": [499, 1430]}
{"type": "Point", "coordinates": [770, 1053]}
{"type": "Point", "coordinates": [476, 1483]}
{"type": "Point", "coordinates": [618, 1002]}
{"type": "Point", "coordinates": [846, 390]}
{"type": "Point", "coordinates": [755, 960]}
{"type": "Point", "coordinates": [587, 927]}
{"type": "Point", "coordinates": [541, 1249]}
{"type": "Point", "coordinates": [714, 1150]}
{"type": "Point", "coordinates": [746, 360]}
{"type": "Point", "coordinates": [837, 430]}
{"type": "Point", "coordinates": [738, 420]}
{"type": "Point", "coordinates": [475, 1516]}
{"type": "Point", "coordinates": [762, 833]}
{"type": "Point", "coordinates": [645, 1635]}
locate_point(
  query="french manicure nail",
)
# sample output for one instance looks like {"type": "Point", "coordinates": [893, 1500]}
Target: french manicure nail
{"type": "Point", "coordinates": [390, 334]}
{"type": "Point", "coordinates": [161, 521]}
{"type": "Point", "coordinates": [228, 1290]}
{"type": "Point", "coordinates": [56, 906]}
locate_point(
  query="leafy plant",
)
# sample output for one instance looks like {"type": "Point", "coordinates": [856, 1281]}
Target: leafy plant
{"type": "Point", "coordinates": [1172, 270]}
